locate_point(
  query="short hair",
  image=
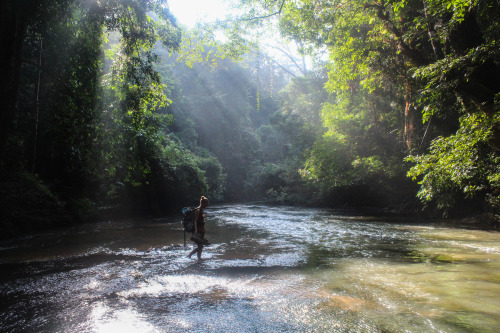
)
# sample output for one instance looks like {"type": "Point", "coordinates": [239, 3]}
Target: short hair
{"type": "Point", "coordinates": [203, 200]}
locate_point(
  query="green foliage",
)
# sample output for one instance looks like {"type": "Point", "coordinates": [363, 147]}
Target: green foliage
{"type": "Point", "coordinates": [328, 162]}
{"type": "Point", "coordinates": [202, 45]}
{"type": "Point", "coordinates": [393, 64]}
{"type": "Point", "coordinates": [156, 171]}
{"type": "Point", "coordinates": [355, 150]}
{"type": "Point", "coordinates": [461, 163]}
{"type": "Point", "coordinates": [102, 120]}
{"type": "Point", "coordinates": [267, 181]}
{"type": "Point", "coordinates": [214, 115]}
{"type": "Point", "coordinates": [402, 77]}
{"type": "Point", "coordinates": [291, 132]}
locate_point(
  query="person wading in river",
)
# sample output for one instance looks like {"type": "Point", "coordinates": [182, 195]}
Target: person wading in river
{"type": "Point", "coordinates": [198, 236]}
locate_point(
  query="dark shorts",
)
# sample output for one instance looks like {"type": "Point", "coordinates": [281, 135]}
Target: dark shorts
{"type": "Point", "coordinates": [198, 238]}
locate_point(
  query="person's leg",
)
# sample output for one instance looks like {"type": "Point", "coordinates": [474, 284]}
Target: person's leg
{"type": "Point", "coordinates": [193, 252]}
{"type": "Point", "coordinates": [200, 249]}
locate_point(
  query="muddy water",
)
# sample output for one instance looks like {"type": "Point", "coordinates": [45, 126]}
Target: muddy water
{"type": "Point", "coordinates": [269, 270]}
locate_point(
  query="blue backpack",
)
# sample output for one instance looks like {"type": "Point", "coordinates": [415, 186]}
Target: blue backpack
{"type": "Point", "coordinates": [188, 218]}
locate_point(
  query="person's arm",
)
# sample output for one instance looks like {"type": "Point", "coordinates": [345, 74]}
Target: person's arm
{"type": "Point", "coordinates": [196, 215]}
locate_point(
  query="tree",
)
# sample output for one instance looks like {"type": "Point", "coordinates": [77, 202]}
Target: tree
{"type": "Point", "coordinates": [393, 65]}
{"type": "Point", "coordinates": [68, 82]}
{"type": "Point", "coordinates": [462, 163]}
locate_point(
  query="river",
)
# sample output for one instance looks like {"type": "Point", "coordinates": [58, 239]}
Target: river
{"type": "Point", "coordinates": [269, 269]}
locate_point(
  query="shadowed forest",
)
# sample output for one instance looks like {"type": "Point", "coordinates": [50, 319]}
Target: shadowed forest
{"type": "Point", "coordinates": [111, 108]}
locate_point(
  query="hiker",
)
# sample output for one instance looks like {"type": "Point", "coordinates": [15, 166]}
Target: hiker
{"type": "Point", "coordinates": [199, 228]}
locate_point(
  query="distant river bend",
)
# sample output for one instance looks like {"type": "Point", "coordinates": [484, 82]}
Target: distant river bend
{"type": "Point", "coordinates": [269, 269]}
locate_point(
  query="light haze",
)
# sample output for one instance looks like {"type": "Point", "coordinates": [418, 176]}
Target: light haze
{"type": "Point", "coordinates": [189, 12]}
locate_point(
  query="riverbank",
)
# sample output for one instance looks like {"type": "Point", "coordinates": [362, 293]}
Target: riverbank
{"type": "Point", "coordinates": [27, 206]}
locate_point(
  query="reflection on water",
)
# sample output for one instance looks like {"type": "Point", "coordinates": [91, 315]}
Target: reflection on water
{"type": "Point", "coordinates": [269, 270]}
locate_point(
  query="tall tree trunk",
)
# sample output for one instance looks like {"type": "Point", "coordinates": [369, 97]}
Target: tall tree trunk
{"type": "Point", "coordinates": [37, 103]}
{"type": "Point", "coordinates": [410, 119]}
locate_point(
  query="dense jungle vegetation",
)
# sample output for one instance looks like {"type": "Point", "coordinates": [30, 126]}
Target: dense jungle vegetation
{"type": "Point", "coordinates": [111, 107]}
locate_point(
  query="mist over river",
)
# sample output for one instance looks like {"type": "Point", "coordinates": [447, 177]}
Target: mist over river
{"type": "Point", "coordinates": [269, 269]}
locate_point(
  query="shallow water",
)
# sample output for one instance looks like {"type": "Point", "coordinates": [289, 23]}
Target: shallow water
{"type": "Point", "coordinates": [269, 270]}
